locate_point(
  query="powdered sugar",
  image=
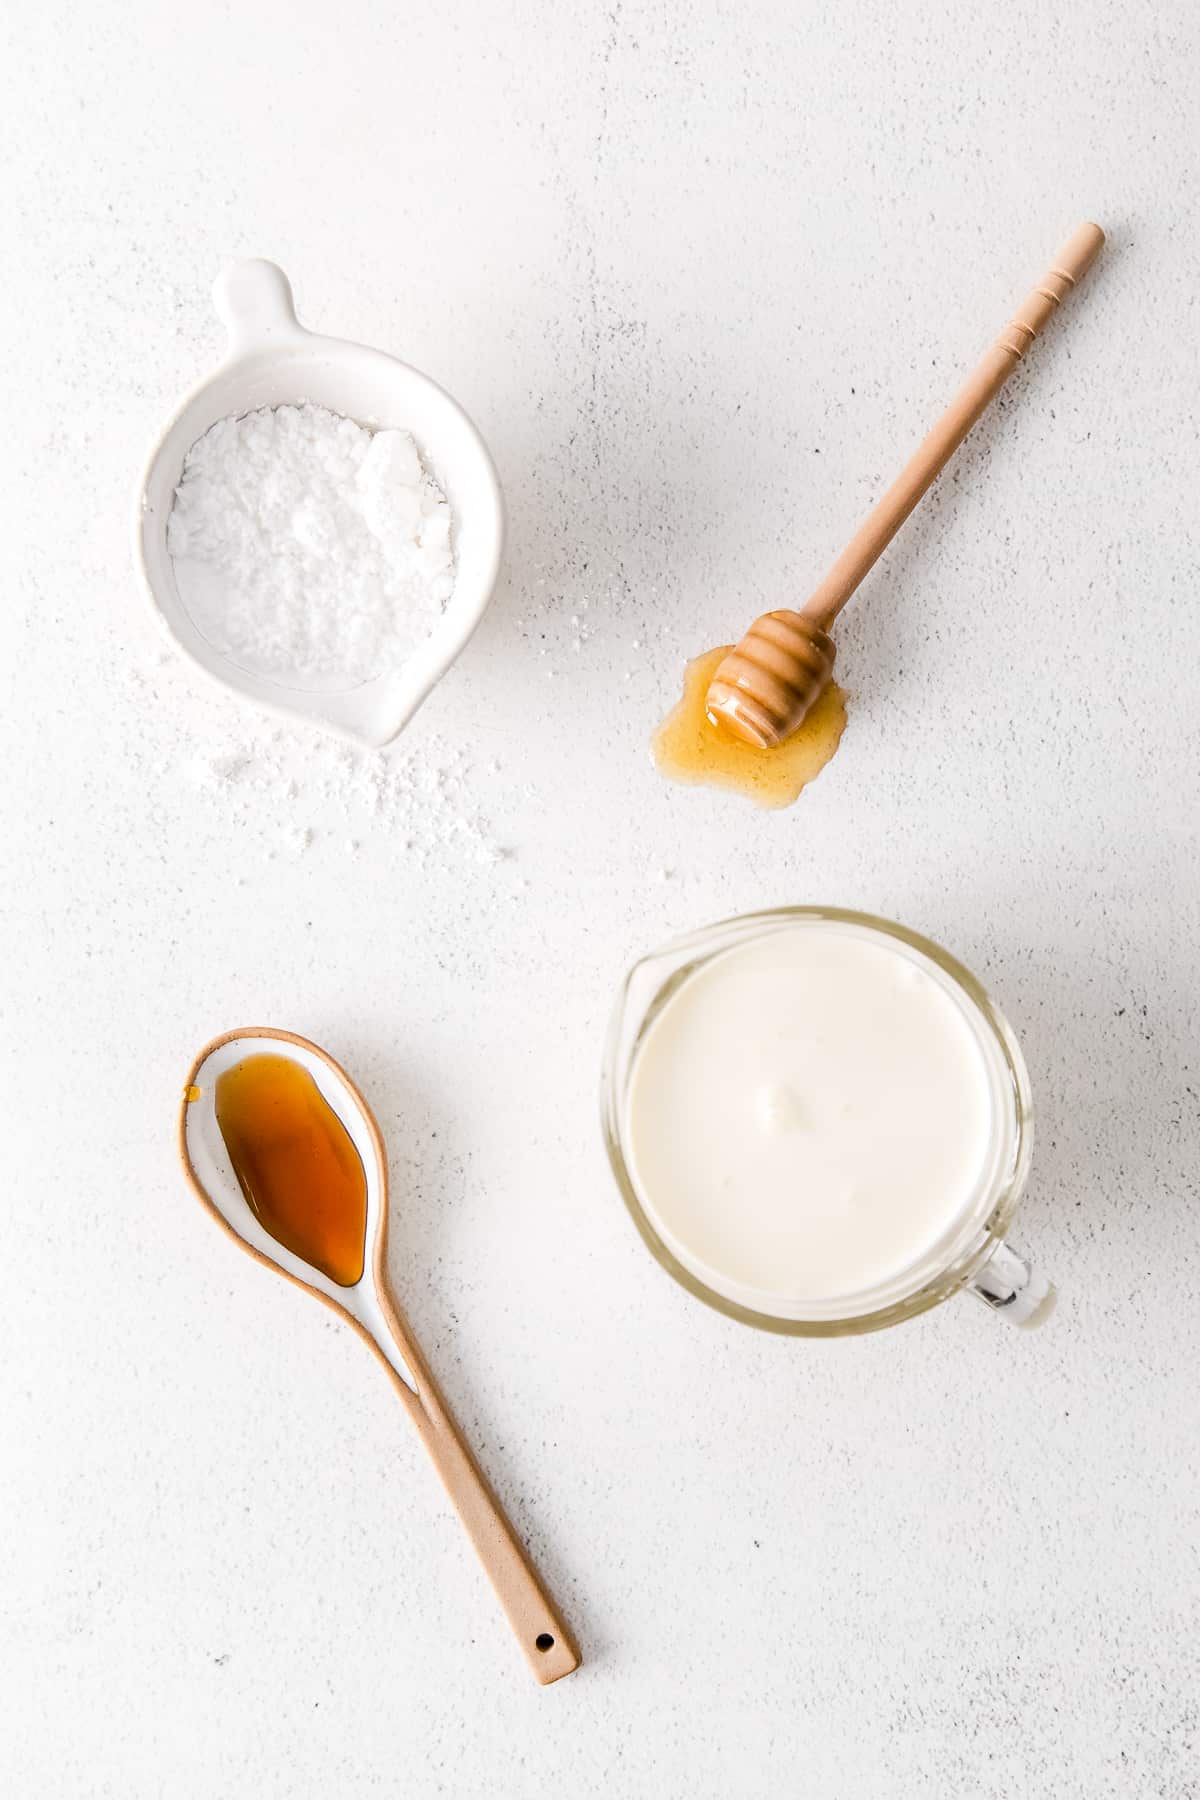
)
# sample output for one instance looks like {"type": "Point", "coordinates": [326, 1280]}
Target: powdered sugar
{"type": "Point", "coordinates": [423, 804]}
{"type": "Point", "coordinates": [308, 549]}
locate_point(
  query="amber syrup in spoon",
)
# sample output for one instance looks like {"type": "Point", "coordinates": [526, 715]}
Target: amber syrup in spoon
{"type": "Point", "coordinates": [296, 1163]}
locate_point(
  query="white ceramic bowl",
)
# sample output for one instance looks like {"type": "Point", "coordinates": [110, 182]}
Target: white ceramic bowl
{"type": "Point", "coordinates": [274, 361]}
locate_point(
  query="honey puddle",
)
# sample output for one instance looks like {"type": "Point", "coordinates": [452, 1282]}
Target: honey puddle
{"type": "Point", "coordinates": [688, 747]}
{"type": "Point", "coordinates": [296, 1163]}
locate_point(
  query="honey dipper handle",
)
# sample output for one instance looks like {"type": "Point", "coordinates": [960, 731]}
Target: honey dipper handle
{"type": "Point", "coordinates": [540, 1631]}
{"type": "Point", "coordinates": [978, 391]}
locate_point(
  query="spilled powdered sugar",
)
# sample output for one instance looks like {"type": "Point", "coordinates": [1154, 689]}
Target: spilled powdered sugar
{"type": "Point", "coordinates": [423, 801]}
{"type": "Point", "coordinates": [419, 799]}
{"type": "Point", "coordinates": [423, 804]}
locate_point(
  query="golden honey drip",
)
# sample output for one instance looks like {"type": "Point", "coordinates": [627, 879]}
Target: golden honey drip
{"type": "Point", "coordinates": [688, 747]}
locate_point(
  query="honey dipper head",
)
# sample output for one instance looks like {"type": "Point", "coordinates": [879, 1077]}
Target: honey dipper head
{"type": "Point", "coordinates": [764, 687]}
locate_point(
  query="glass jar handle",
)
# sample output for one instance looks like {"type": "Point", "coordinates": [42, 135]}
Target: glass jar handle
{"type": "Point", "coordinates": [1013, 1289]}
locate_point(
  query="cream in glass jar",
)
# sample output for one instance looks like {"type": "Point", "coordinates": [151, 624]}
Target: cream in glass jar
{"type": "Point", "coordinates": [819, 1121]}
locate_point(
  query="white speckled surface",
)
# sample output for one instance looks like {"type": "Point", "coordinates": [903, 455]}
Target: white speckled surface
{"type": "Point", "coordinates": [701, 273]}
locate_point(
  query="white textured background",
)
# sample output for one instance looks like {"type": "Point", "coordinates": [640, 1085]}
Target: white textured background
{"type": "Point", "coordinates": [703, 273]}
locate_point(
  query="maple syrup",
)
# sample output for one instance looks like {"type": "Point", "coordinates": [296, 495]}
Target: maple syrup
{"type": "Point", "coordinates": [688, 747]}
{"type": "Point", "coordinates": [296, 1163]}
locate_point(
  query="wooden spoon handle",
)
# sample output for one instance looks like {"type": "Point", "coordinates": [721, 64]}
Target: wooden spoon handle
{"type": "Point", "coordinates": [539, 1628]}
{"type": "Point", "coordinates": [980, 389]}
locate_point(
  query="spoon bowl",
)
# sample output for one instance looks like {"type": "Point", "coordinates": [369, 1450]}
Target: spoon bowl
{"type": "Point", "coordinates": [208, 1168]}
{"type": "Point", "coordinates": [274, 361]}
{"type": "Point", "coordinates": [368, 1305]}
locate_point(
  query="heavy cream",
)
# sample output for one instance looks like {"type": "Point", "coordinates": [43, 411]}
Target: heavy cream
{"type": "Point", "coordinates": [815, 1118]}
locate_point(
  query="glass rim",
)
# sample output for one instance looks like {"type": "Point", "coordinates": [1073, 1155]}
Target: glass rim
{"type": "Point", "coordinates": [1007, 1189]}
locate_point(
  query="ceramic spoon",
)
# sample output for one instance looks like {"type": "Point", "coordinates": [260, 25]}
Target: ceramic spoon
{"type": "Point", "coordinates": [371, 1309]}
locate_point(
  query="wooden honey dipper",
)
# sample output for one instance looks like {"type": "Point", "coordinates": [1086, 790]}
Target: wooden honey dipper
{"type": "Point", "coordinates": [762, 690]}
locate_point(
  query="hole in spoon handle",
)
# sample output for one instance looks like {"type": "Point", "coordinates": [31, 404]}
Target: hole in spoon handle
{"type": "Point", "coordinates": [540, 1631]}
{"type": "Point", "coordinates": [254, 301]}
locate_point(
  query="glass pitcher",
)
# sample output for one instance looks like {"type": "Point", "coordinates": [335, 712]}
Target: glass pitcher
{"type": "Point", "coordinates": [978, 1259]}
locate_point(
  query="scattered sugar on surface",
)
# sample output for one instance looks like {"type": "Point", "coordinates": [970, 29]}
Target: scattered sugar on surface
{"type": "Point", "coordinates": [423, 798]}
{"type": "Point", "coordinates": [421, 801]}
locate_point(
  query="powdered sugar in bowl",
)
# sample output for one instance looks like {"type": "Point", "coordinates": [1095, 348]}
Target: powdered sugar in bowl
{"type": "Point", "coordinates": [274, 363]}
